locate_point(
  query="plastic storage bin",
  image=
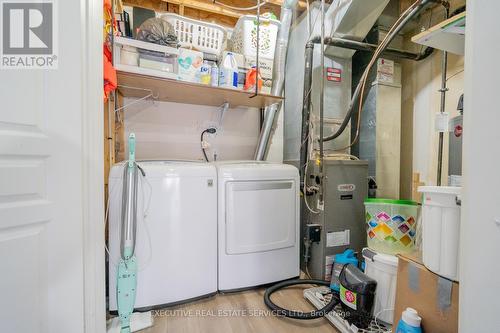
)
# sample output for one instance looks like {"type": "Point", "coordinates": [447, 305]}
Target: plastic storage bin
{"type": "Point", "coordinates": [391, 225]}
{"type": "Point", "coordinates": [383, 268]}
{"type": "Point", "coordinates": [244, 37]}
{"type": "Point", "coordinates": [159, 60]}
{"type": "Point", "coordinates": [441, 229]}
{"type": "Point", "coordinates": [194, 34]}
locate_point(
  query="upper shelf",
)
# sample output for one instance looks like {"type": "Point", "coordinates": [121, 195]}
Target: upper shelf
{"type": "Point", "coordinates": [170, 90]}
{"type": "Point", "coordinates": [448, 35]}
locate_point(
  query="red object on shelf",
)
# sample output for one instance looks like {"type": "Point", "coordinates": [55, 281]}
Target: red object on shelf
{"type": "Point", "coordinates": [251, 79]}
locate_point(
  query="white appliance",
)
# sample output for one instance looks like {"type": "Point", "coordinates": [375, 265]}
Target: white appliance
{"type": "Point", "coordinates": [441, 229]}
{"type": "Point", "coordinates": [258, 218]}
{"type": "Point", "coordinates": [176, 246]}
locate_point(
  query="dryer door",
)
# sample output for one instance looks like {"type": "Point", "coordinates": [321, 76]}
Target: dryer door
{"type": "Point", "coordinates": [260, 215]}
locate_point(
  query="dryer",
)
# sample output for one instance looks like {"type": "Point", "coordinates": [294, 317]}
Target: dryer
{"type": "Point", "coordinates": [258, 223]}
{"type": "Point", "coordinates": [176, 246]}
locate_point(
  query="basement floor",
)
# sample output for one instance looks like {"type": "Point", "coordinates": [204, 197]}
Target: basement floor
{"type": "Point", "coordinates": [240, 312]}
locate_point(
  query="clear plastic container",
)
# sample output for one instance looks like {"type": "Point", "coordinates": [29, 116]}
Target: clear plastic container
{"type": "Point", "coordinates": [135, 56]}
{"type": "Point", "coordinates": [391, 225]}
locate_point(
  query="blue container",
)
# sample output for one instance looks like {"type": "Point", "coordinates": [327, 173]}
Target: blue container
{"type": "Point", "coordinates": [410, 322]}
{"type": "Point", "coordinates": [348, 257]}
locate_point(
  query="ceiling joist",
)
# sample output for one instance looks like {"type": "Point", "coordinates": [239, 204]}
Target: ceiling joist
{"type": "Point", "coordinates": [210, 7]}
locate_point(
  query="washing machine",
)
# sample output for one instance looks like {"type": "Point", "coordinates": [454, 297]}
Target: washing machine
{"type": "Point", "coordinates": [258, 219]}
{"type": "Point", "coordinates": [176, 244]}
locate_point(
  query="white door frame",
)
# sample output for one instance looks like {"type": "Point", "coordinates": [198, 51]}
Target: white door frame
{"type": "Point", "coordinates": [93, 168]}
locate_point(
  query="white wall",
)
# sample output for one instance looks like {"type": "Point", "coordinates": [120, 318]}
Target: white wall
{"type": "Point", "coordinates": [172, 131]}
{"type": "Point", "coordinates": [420, 103]}
{"type": "Point", "coordinates": [480, 235]}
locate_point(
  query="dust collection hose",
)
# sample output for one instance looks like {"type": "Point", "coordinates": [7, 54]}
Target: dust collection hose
{"type": "Point", "coordinates": [295, 314]}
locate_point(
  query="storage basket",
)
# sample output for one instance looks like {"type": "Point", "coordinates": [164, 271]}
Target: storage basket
{"type": "Point", "coordinates": [244, 37]}
{"type": "Point", "coordinates": [391, 225]}
{"type": "Point", "coordinates": [194, 34]}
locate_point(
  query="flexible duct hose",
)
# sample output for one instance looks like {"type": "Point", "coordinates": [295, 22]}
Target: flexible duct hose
{"type": "Point", "coordinates": [394, 31]}
{"type": "Point", "coordinates": [278, 79]}
{"type": "Point", "coordinates": [295, 314]}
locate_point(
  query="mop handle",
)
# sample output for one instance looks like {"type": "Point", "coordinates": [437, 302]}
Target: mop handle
{"type": "Point", "coordinates": [131, 151]}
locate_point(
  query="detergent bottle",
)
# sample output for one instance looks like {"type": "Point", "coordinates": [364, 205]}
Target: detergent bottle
{"type": "Point", "coordinates": [410, 322]}
{"type": "Point", "coordinates": [228, 72]}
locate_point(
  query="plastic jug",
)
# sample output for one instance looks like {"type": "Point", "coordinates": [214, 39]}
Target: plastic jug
{"type": "Point", "coordinates": [348, 257]}
{"type": "Point", "coordinates": [410, 322]}
{"type": "Point", "coordinates": [228, 72]}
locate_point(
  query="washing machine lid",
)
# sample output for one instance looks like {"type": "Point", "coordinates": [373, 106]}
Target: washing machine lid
{"type": "Point", "coordinates": [253, 170]}
{"type": "Point", "coordinates": [168, 168]}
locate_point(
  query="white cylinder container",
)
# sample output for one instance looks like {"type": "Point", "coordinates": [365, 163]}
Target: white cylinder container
{"type": "Point", "coordinates": [441, 229]}
{"type": "Point", "coordinates": [383, 268]}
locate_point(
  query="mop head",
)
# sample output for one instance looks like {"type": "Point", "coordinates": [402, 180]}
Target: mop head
{"type": "Point", "coordinates": [138, 321]}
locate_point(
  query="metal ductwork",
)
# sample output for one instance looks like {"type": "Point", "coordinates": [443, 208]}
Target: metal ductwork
{"type": "Point", "coordinates": [278, 79]}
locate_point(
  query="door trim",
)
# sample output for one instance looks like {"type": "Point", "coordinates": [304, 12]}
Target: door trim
{"type": "Point", "coordinates": [93, 167]}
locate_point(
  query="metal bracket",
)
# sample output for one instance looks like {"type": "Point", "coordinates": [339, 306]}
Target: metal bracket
{"type": "Point", "coordinates": [223, 109]}
{"type": "Point", "coordinates": [257, 60]}
{"type": "Point", "coordinates": [149, 95]}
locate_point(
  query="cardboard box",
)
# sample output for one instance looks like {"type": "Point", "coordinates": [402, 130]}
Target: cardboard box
{"type": "Point", "coordinates": [435, 298]}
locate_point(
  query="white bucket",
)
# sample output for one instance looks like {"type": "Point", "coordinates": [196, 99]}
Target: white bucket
{"type": "Point", "coordinates": [383, 268]}
{"type": "Point", "coordinates": [441, 229]}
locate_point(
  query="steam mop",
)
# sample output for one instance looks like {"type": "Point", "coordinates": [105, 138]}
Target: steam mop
{"type": "Point", "coordinates": [127, 320]}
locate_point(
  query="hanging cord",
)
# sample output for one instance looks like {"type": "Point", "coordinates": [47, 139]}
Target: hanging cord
{"type": "Point", "coordinates": [211, 130]}
{"type": "Point", "coordinates": [240, 8]}
{"type": "Point", "coordinates": [375, 57]}
{"type": "Point", "coordinates": [400, 23]}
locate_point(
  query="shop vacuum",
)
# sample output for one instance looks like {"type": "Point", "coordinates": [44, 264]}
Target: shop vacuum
{"type": "Point", "coordinates": [356, 296]}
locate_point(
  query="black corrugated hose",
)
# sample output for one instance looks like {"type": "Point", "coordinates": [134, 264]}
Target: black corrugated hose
{"type": "Point", "coordinates": [295, 314]}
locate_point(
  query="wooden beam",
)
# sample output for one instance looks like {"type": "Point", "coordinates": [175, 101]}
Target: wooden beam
{"type": "Point", "coordinates": [302, 5]}
{"type": "Point", "coordinates": [206, 7]}
{"type": "Point", "coordinates": [206, 10]}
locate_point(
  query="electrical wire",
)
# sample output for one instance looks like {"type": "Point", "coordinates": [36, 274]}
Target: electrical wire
{"type": "Point", "coordinates": [455, 74]}
{"type": "Point", "coordinates": [211, 130]}
{"type": "Point", "coordinates": [377, 53]}
{"type": "Point", "coordinates": [376, 322]}
{"type": "Point", "coordinates": [304, 191]}
{"type": "Point", "coordinates": [308, 275]}
{"type": "Point", "coordinates": [240, 8]}
{"type": "Point", "coordinates": [400, 23]}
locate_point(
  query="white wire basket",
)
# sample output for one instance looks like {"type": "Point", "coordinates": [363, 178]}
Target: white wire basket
{"type": "Point", "coordinates": [244, 37]}
{"type": "Point", "coordinates": [198, 35]}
